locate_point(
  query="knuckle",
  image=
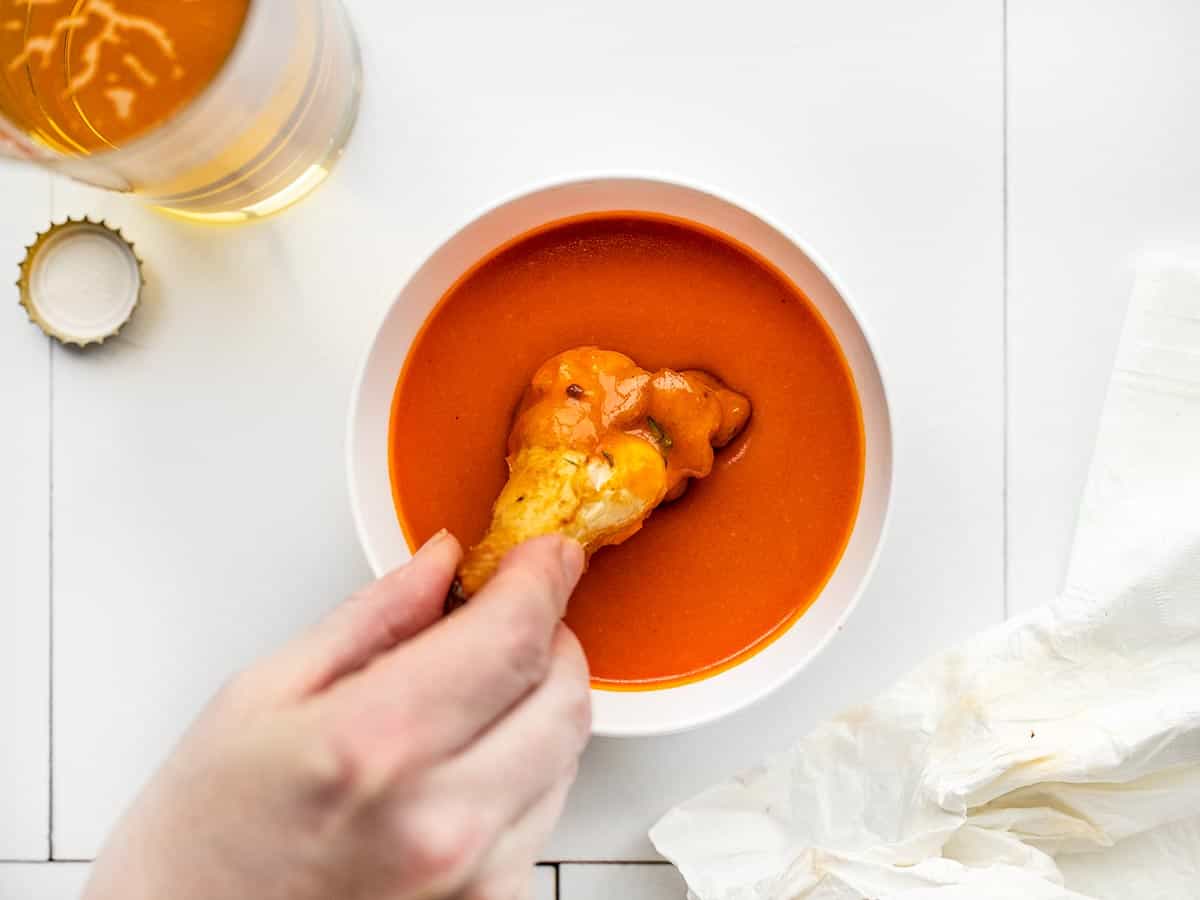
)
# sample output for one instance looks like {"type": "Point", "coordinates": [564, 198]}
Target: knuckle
{"type": "Point", "coordinates": [441, 848]}
{"type": "Point", "coordinates": [526, 643]}
{"type": "Point", "coordinates": [343, 764]}
{"type": "Point", "coordinates": [333, 771]}
{"type": "Point", "coordinates": [527, 657]}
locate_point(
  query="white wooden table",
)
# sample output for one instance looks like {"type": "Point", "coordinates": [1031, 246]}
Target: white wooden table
{"type": "Point", "coordinates": [980, 173]}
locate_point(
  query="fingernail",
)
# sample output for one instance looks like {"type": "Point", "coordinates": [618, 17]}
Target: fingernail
{"type": "Point", "coordinates": [437, 538]}
{"type": "Point", "coordinates": [571, 559]}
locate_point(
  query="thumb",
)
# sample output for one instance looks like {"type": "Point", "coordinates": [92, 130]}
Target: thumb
{"type": "Point", "coordinates": [400, 604]}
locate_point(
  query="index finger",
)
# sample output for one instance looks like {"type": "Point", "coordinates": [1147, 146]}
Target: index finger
{"type": "Point", "coordinates": [430, 697]}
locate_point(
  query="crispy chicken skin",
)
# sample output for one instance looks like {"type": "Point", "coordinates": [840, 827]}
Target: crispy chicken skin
{"type": "Point", "coordinates": [597, 443]}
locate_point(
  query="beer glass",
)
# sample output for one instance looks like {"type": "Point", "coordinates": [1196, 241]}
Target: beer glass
{"type": "Point", "coordinates": [216, 110]}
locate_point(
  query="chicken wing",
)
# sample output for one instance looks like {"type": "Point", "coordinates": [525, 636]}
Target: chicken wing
{"type": "Point", "coordinates": [596, 444]}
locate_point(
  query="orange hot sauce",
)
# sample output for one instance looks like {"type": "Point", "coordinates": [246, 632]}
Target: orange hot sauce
{"type": "Point", "coordinates": [716, 575]}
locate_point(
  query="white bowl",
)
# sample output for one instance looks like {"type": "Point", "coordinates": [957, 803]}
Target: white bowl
{"type": "Point", "coordinates": [628, 713]}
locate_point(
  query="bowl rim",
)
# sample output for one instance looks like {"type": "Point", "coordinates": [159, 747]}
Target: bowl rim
{"type": "Point", "coordinates": [769, 686]}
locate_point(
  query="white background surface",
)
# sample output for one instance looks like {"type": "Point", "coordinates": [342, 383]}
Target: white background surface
{"type": "Point", "coordinates": [199, 509]}
{"type": "Point", "coordinates": [24, 545]}
{"type": "Point", "coordinates": [1102, 167]}
{"type": "Point", "coordinates": [42, 881]}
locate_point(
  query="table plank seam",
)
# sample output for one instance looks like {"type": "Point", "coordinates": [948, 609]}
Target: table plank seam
{"type": "Point", "coordinates": [1004, 330]}
{"type": "Point", "coordinates": [605, 862]}
{"type": "Point", "coordinates": [50, 597]}
{"type": "Point", "coordinates": [50, 572]}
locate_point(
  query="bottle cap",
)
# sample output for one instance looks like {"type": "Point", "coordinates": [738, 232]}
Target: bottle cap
{"type": "Point", "coordinates": [80, 281]}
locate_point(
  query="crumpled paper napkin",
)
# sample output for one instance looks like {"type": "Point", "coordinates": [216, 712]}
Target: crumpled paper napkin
{"type": "Point", "coordinates": [1055, 756]}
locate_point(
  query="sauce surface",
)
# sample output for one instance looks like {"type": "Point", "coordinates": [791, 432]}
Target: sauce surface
{"type": "Point", "coordinates": [713, 576]}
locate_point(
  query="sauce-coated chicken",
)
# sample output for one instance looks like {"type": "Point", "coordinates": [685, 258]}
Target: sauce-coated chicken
{"type": "Point", "coordinates": [597, 443]}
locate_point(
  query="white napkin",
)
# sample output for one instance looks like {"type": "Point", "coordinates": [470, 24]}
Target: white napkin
{"type": "Point", "coordinates": [1055, 756]}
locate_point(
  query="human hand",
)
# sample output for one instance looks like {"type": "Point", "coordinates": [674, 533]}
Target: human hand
{"type": "Point", "coordinates": [387, 753]}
